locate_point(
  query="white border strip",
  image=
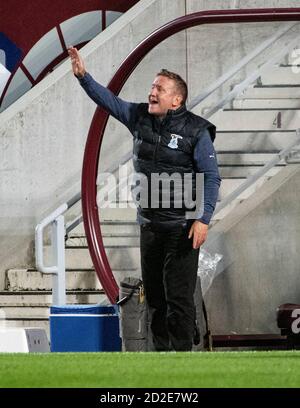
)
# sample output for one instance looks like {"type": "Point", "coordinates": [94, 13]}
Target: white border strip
{"type": "Point", "coordinates": [81, 315]}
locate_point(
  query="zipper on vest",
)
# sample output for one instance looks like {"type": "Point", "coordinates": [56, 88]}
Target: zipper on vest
{"type": "Point", "coordinates": [156, 147]}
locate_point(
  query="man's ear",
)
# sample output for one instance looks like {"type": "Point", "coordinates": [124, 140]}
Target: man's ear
{"type": "Point", "coordinates": [177, 100]}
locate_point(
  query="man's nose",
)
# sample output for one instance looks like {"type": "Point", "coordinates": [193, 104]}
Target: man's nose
{"type": "Point", "coordinates": [153, 92]}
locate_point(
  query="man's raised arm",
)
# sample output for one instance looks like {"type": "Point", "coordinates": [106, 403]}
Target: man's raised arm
{"type": "Point", "coordinates": [119, 109]}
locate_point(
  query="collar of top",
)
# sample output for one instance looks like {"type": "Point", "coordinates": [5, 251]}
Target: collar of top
{"type": "Point", "coordinates": [171, 114]}
{"type": "Point", "coordinates": [177, 112]}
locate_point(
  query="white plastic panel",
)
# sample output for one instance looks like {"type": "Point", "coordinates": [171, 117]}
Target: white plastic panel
{"type": "Point", "coordinates": [4, 75]}
{"type": "Point", "coordinates": [23, 340]}
{"type": "Point", "coordinates": [82, 28]}
{"type": "Point", "coordinates": [43, 53]}
{"type": "Point", "coordinates": [2, 57]}
{"type": "Point", "coordinates": [111, 16]}
{"type": "Point", "coordinates": [18, 86]}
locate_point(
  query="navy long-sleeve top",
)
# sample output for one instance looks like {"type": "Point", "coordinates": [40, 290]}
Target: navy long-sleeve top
{"type": "Point", "coordinates": [205, 160]}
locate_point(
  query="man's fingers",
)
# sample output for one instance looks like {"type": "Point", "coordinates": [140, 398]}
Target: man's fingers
{"type": "Point", "coordinates": [73, 52]}
{"type": "Point", "coordinates": [198, 240]}
{"type": "Point", "coordinates": [76, 53]}
{"type": "Point", "coordinates": [76, 61]}
{"type": "Point", "coordinates": [198, 234]}
{"type": "Point", "coordinates": [196, 237]}
{"type": "Point", "coordinates": [195, 241]}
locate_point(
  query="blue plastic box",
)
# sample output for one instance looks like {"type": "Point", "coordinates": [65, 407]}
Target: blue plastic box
{"type": "Point", "coordinates": [84, 328]}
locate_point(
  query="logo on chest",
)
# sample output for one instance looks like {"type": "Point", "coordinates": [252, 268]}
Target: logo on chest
{"type": "Point", "coordinates": [173, 144]}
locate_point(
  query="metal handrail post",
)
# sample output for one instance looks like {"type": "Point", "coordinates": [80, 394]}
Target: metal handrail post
{"type": "Point", "coordinates": [57, 222]}
{"type": "Point", "coordinates": [58, 252]}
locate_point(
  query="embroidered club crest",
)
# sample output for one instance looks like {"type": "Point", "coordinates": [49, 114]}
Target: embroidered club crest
{"type": "Point", "coordinates": [173, 144]}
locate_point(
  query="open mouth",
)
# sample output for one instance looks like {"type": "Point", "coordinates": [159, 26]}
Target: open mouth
{"type": "Point", "coordinates": [153, 102]}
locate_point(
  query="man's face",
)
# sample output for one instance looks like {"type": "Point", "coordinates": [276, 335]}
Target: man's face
{"type": "Point", "coordinates": [163, 96]}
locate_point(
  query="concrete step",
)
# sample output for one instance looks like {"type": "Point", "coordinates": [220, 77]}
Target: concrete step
{"type": "Point", "coordinates": [24, 279]}
{"type": "Point", "coordinates": [112, 228]}
{"type": "Point", "coordinates": [243, 196]}
{"type": "Point", "coordinates": [36, 298]}
{"type": "Point", "coordinates": [235, 183]}
{"type": "Point", "coordinates": [271, 92]}
{"type": "Point", "coordinates": [25, 312]}
{"type": "Point", "coordinates": [260, 141]}
{"type": "Point", "coordinates": [120, 258]}
{"type": "Point", "coordinates": [252, 120]}
{"type": "Point", "coordinates": [243, 158]}
{"type": "Point", "coordinates": [245, 171]}
{"type": "Point", "coordinates": [120, 214]}
{"type": "Point", "coordinates": [266, 103]}
{"type": "Point", "coordinates": [85, 282]}
{"type": "Point", "coordinates": [281, 75]}
{"type": "Point", "coordinates": [78, 258]}
{"type": "Point", "coordinates": [112, 241]}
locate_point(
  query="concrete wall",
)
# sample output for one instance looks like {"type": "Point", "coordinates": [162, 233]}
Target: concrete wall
{"type": "Point", "coordinates": [260, 244]}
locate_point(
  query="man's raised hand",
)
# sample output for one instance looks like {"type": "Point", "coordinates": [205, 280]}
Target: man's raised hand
{"type": "Point", "coordinates": [77, 62]}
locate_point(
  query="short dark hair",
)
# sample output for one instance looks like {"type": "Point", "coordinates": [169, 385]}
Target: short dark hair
{"type": "Point", "coordinates": [180, 83]}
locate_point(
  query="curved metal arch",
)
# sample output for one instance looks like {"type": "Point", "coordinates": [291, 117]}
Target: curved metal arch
{"type": "Point", "coordinates": [99, 121]}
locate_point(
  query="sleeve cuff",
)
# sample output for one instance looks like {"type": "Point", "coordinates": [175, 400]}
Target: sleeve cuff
{"type": "Point", "coordinates": [205, 219]}
{"type": "Point", "coordinates": [81, 78]}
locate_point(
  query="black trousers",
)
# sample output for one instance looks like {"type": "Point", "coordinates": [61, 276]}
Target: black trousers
{"type": "Point", "coordinates": [169, 271]}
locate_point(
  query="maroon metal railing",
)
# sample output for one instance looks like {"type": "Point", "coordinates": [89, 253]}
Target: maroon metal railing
{"type": "Point", "coordinates": [97, 128]}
